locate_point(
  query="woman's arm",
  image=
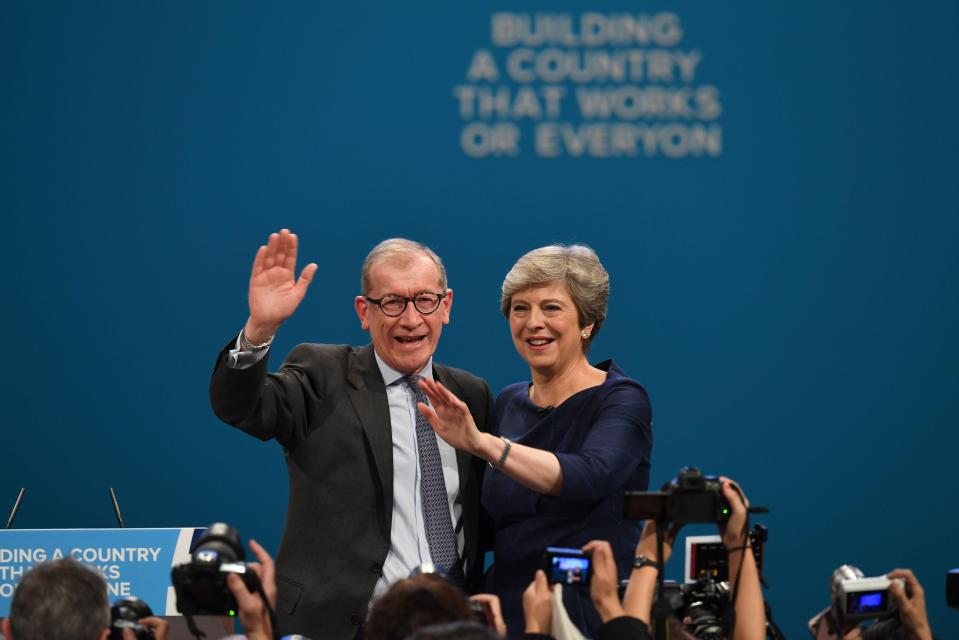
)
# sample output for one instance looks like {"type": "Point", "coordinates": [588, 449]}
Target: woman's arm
{"type": "Point", "coordinates": [451, 419]}
{"type": "Point", "coordinates": [618, 437]}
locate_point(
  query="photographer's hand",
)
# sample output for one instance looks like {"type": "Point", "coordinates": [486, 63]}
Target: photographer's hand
{"type": "Point", "coordinates": [604, 585]}
{"type": "Point", "coordinates": [734, 532]}
{"type": "Point", "coordinates": [743, 573]}
{"type": "Point", "coordinates": [158, 626]}
{"type": "Point", "coordinates": [253, 613]}
{"type": "Point", "coordinates": [499, 625]}
{"type": "Point", "coordinates": [912, 604]}
{"type": "Point", "coordinates": [266, 571]}
{"type": "Point", "coordinates": [538, 605]}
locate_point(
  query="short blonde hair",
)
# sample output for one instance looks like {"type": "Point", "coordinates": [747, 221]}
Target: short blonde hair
{"type": "Point", "coordinates": [577, 266]}
{"type": "Point", "coordinates": [399, 249]}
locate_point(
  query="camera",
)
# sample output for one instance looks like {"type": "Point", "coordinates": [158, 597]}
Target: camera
{"type": "Point", "coordinates": [567, 566]}
{"type": "Point", "coordinates": [857, 598]}
{"type": "Point", "coordinates": [952, 588]}
{"type": "Point", "coordinates": [689, 498]}
{"type": "Point", "coordinates": [704, 602]}
{"type": "Point", "coordinates": [482, 613]}
{"type": "Point", "coordinates": [200, 584]}
{"type": "Point", "coordinates": [125, 614]}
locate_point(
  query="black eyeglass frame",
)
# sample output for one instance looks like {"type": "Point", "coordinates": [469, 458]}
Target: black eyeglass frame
{"type": "Point", "coordinates": [406, 302]}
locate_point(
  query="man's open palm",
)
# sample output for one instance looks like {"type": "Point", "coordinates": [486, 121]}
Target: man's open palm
{"type": "Point", "coordinates": [274, 292]}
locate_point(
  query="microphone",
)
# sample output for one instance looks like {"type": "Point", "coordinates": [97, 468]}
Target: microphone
{"type": "Point", "coordinates": [116, 508]}
{"type": "Point", "coordinates": [16, 507]}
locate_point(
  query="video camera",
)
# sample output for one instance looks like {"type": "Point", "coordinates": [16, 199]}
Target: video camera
{"type": "Point", "coordinates": [857, 598]}
{"type": "Point", "coordinates": [689, 498]}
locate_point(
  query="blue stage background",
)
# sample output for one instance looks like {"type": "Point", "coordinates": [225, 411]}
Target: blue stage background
{"type": "Point", "coordinates": [786, 292]}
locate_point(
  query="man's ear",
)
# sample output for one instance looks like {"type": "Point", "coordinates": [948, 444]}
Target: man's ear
{"type": "Point", "coordinates": [362, 309]}
{"type": "Point", "coordinates": [446, 306]}
{"type": "Point", "coordinates": [6, 629]}
{"type": "Point", "coordinates": [106, 634]}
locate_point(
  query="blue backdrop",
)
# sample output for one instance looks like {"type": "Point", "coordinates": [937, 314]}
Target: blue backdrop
{"type": "Point", "coordinates": [772, 191]}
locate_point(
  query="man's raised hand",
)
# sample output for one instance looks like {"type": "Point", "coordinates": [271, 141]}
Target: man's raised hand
{"type": "Point", "coordinates": [275, 293]}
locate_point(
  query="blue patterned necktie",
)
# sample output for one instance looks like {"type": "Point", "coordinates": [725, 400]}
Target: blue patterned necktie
{"type": "Point", "coordinates": [436, 508]}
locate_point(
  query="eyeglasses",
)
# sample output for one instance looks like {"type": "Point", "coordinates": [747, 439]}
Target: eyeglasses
{"type": "Point", "coordinates": [393, 305]}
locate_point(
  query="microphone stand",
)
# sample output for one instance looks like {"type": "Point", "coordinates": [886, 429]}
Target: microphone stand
{"type": "Point", "coordinates": [16, 507]}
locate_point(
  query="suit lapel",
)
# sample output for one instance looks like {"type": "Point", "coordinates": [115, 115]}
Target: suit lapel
{"type": "Point", "coordinates": [368, 397]}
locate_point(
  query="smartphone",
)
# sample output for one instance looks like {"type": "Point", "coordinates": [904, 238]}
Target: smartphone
{"type": "Point", "coordinates": [567, 566]}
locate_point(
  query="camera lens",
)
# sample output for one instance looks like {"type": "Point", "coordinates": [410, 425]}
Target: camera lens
{"type": "Point", "coordinates": [224, 541]}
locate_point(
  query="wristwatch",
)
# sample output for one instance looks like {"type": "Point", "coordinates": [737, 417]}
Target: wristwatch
{"type": "Point", "coordinates": [641, 561]}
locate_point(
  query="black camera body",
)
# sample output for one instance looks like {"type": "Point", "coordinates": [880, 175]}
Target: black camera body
{"type": "Point", "coordinates": [694, 497]}
{"type": "Point", "coordinates": [952, 588]}
{"type": "Point", "coordinates": [689, 498]}
{"type": "Point", "coordinates": [200, 584]}
{"type": "Point", "coordinates": [125, 614]}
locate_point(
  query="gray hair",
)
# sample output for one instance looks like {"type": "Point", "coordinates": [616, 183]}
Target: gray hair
{"type": "Point", "coordinates": [578, 267]}
{"type": "Point", "coordinates": [60, 600]}
{"type": "Point", "coordinates": [402, 250]}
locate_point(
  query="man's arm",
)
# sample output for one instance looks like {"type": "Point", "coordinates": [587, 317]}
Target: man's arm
{"type": "Point", "coordinates": [238, 387]}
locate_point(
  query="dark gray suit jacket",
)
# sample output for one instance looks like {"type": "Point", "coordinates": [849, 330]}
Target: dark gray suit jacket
{"type": "Point", "coordinates": [327, 406]}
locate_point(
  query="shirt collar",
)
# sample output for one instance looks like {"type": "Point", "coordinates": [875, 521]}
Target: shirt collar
{"type": "Point", "coordinates": [391, 375]}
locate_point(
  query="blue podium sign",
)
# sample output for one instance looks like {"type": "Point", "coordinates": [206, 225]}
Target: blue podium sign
{"type": "Point", "coordinates": [134, 562]}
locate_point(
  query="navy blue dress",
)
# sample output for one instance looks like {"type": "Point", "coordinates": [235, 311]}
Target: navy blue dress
{"type": "Point", "coordinates": [602, 437]}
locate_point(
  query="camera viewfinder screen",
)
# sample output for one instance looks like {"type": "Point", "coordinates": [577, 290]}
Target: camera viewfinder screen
{"type": "Point", "coordinates": [866, 602]}
{"type": "Point", "coordinates": [569, 570]}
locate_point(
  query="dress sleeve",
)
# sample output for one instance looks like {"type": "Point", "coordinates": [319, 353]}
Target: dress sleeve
{"type": "Point", "coordinates": [617, 441]}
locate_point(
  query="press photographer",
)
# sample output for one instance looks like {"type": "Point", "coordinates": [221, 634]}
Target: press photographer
{"type": "Point", "coordinates": [889, 607]}
{"type": "Point", "coordinates": [426, 599]}
{"type": "Point", "coordinates": [218, 581]}
{"type": "Point", "coordinates": [690, 498]}
{"type": "Point", "coordinates": [65, 600]}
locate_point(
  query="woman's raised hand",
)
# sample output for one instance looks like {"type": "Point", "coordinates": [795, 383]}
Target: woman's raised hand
{"type": "Point", "coordinates": [450, 417]}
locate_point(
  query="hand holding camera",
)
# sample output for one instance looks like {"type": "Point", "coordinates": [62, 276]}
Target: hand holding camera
{"type": "Point", "coordinates": [218, 581]}
{"type": "Point", "coordinates": [489, 612]}
{"type": "Point", "coordinates": [911, 601]}
{"type": "Point", "coordinates": [735, 530]}
{"type": "Point", "coordinates": [132, 619]}
{"type": "Point", "coordinates": [604, 588]}
{"type": "Point", "coordinates": [538, 604]}
{"type": "Point", "coordinates": [253, 612]}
